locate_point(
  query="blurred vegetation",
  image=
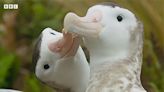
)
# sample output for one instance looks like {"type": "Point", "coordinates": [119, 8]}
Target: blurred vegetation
{"type": "Point", "coordinates": [20, 28]}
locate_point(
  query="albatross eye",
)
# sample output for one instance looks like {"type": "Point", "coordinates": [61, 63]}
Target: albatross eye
{"type": "Point", "coordinates": [46, 66]}
{"type": "Point", "coordinates": [119, 18]}
{"type": "Point", "coordinates": [52, 33]}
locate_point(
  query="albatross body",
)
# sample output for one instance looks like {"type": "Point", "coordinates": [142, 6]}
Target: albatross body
{"type": "Point", "coordinates": [113, 36]}
{"type": "Point", "coordinates": [58, 65]}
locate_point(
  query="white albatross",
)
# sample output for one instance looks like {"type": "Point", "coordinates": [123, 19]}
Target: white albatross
{"type": "Point", "coordinates": [60, 62]}
{"type": "Point", "coordinates": [113, 36]}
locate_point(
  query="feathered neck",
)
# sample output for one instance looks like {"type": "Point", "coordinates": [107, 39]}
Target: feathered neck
{"type": "Point", "coordinates": [118, 72]}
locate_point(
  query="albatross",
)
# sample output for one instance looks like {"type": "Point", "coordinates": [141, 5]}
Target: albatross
{"type": "Point", "coordinates": [60, 62]}
{"type": "Point", "coordinates": [114, 37]}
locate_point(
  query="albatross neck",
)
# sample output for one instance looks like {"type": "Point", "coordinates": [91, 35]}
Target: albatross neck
{"type": "Point", "coordinates": [101, 54]}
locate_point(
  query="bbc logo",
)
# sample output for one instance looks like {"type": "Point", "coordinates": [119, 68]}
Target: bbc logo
{"type": "Point", "coordinates": [10, 6]}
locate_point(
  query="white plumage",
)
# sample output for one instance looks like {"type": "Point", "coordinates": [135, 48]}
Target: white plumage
{"type": "Point", "coordinates": [113, 36]}
{"type": "Point", "coordinates": [58, 65]}
{"type": "Point", "coordinates": [9, 90]}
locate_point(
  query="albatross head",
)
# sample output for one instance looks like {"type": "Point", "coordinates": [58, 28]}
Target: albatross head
{"type": "Point", "coordinates": [107, 30]}
{"type": "Point", "coordinates": [51, 49]}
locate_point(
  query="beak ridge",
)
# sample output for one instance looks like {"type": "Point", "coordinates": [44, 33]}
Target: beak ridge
{"type": "Point", "coordinates": [84, 26]}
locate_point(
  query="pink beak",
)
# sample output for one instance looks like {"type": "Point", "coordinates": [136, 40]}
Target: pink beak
{"type": "Point", "coordinates": [88, 26]}
{"type": "Point", "coordinates": [66, 46]}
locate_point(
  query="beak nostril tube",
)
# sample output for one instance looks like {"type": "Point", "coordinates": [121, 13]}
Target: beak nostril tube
{"type": "Point", "coordinates": [95, 16]}
{"type": "Point", "coordinates": [88, 25]}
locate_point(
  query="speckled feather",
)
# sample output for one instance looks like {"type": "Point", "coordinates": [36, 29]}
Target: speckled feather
{"type": "Point", "coordinates": [116, 51]}
{"type": "Point", "coordinates": [123, 76]}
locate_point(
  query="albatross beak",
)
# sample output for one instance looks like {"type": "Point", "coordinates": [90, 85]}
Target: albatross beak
{"type": "Point", "coordinates": [88, 26]}
{"type": "Point", "coordinates": [67, 46]}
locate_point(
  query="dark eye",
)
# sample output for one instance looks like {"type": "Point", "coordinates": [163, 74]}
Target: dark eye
{"type": "Point", "coordinates": [46, 66]}
{"type": "Point", "coordinates": [119, 18]}
{"type": "Point", "coordinates": [52, 33]}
